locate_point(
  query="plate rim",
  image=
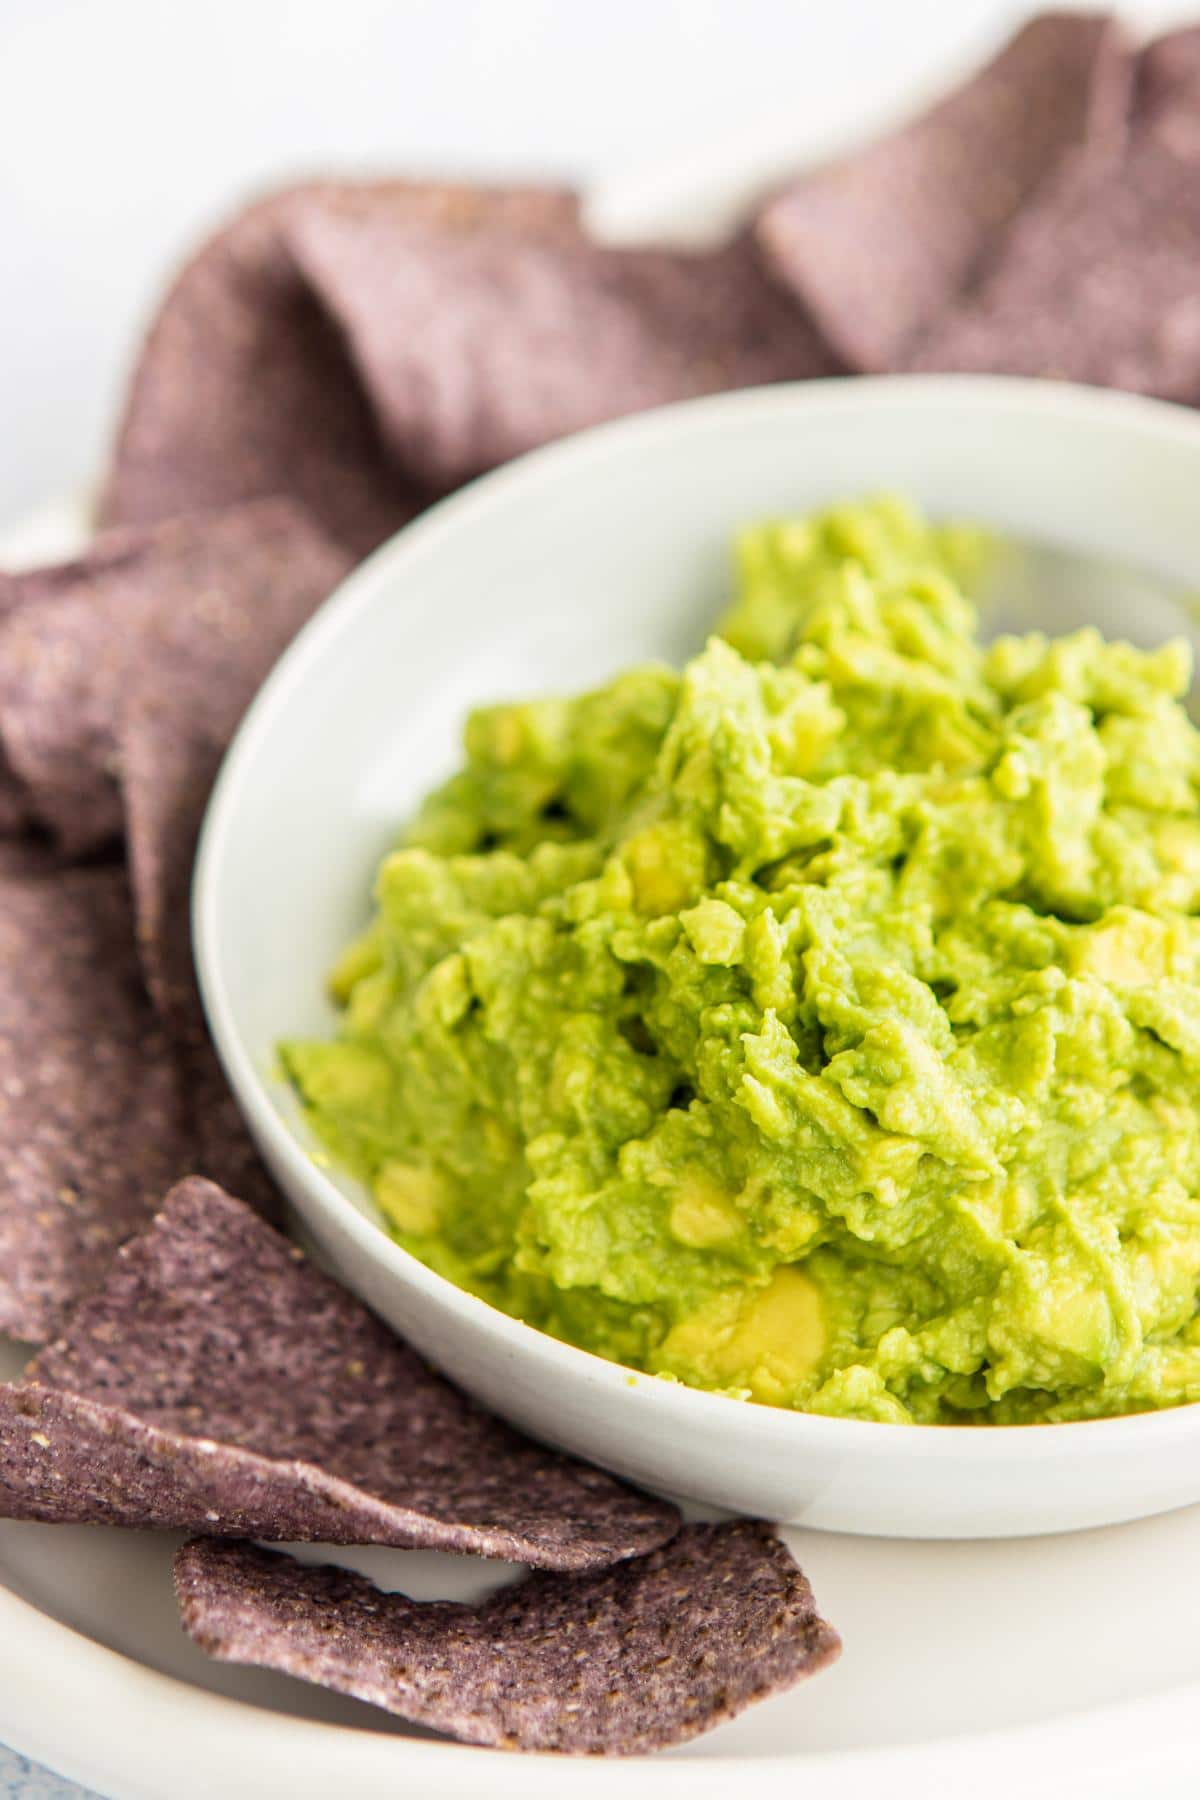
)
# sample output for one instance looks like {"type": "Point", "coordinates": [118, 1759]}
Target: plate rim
{"type": "Point", "coordinates": [1152, 1734]}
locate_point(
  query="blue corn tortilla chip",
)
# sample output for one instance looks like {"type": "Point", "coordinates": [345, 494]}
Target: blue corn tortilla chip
{"type": "Point", "coordinates": [40, 680]}
{"type": "Point", "coordinates": [635, 1658]}
{"type": "Point", "coordinates": [1167, 103]}
{"type": "Point", "coordinates": [212, 601]}
{"type": "Point", "coordinates": [883, 243]}
{"type": "Point", "coordinates": [93, 1123]}
{"type": "Point", "coordinates": [28, 855]}
{"type": "Point", "coordinates": [123, 675]}
{"type": "Point", "coordinates": [476, 346]}
{"type": "Point", "coordinates": [217, 1381]}
{"type": "Point", "coordinates": [1098, 284]}
{"type": "Point", "coordinates": [1043, 220]}
{"type": "Point", "coordinates": [244, 388]}
{"type": "Point", "coordinates": [361, 349]}
{"type": "Point", "coordinates": [187, 617]}
{"type": "Point", "coordinates": [15, 817]}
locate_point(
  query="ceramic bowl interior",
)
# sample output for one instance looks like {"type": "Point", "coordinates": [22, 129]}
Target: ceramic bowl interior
{"type": "Point", "coordinates": [550, 575]}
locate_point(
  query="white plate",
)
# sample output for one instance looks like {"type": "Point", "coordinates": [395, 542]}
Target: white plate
{"type": "Point", "coordinates": [1062, 1665]}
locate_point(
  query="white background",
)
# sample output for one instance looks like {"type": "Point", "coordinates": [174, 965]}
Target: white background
{"type": "Point", "coordinates": [127, 127]}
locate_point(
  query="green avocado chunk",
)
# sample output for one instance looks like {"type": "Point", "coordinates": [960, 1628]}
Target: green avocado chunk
{"type": "Point", "coordinates": [819, 1024]}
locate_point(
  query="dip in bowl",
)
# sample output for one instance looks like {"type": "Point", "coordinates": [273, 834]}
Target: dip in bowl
{"type": "Point", "coordinates": [972, 1252]}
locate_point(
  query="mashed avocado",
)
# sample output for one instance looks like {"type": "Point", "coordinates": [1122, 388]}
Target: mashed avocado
{"type": "Point", "coordinates": [820, 1024]}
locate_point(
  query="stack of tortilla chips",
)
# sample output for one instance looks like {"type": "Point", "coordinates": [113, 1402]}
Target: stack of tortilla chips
{"type": "Point", "coordinates": [336, 358]}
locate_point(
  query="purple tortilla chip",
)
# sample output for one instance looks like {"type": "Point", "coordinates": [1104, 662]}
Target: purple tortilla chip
{"type": "Point", "coordinates": [1168, 91]}
{"type": "Point", "coordinates": [881, 244]}
{"type": "Point", "coordinates": [14, 803]}
{"type": "Point", "coordinates": [244, 388]}
{"type": "Point", "coordinates": [362, 348]}
{"type": "Point", "coordinates": [223, 597]}
{"type": "Point", "coordinates": [1100, 283]}
{"type": "Point", "coordinates": [476, 346]}
{"type": "Point", "coordinates": [168, 763]}
{"type": "Point", "coordinates": [219, 1382]}
{"type": "Point", "coordinates": [187, 617]}
{"type": "Point", "coordinates": [224, 1149]}
{"type": "Point", "coordinates": [242, 583]}
{"type": "Point", "coordinates": [635, 1658]}
{"type": "Point", "coordinates": [51, 734]}
{"type": "Point", "coordinates": [91, 1116]}
{"type": "Point", "coordinates": [122, 678]}
{"type": "Point", "coordinates": [27, 857]}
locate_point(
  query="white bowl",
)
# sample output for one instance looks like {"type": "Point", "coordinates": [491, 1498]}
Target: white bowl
{"type": "Point", "coordinates": [551, 574]}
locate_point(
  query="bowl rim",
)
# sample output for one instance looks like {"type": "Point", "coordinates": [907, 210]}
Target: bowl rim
{"type": "Point", "coordinates": [358, 593]}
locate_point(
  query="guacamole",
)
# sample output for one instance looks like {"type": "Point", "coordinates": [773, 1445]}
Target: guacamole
{"type": "Point", "coordinates": [819, 1024]}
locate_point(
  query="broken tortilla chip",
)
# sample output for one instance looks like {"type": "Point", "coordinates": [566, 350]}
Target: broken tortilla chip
{"type": "Point", "coordinates": [634, 1658]}
{"type": "Point", "coordinates": [219, 1382]}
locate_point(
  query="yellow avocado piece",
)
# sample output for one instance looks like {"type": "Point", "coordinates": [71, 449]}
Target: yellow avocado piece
{"type": "Point", "coordinates": [702, 1213]}
{"type": "Point", "coordinates": [666, 865]}
{"type": "Point", "coordinates": [1128, 949]}
{"type": "Point", "coordinates": [361, 957]}
{"type": "Point", "coordinates": [410, 1198]}
{"type": "Point", "coordinates": [716, 932]}
{"type": "Point", "coordinates": [762, 1340]}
